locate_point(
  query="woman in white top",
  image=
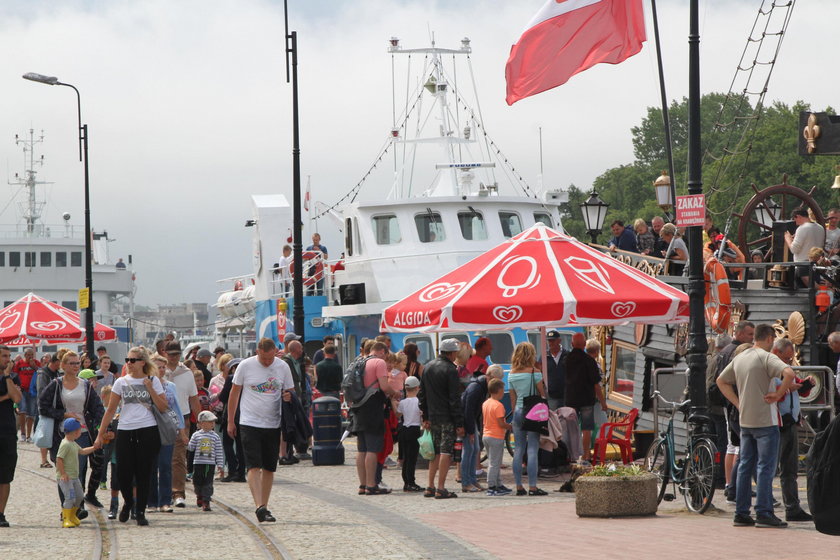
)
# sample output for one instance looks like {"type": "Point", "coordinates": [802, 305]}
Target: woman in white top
{"type": "Point", "coordinates": [138, 440]}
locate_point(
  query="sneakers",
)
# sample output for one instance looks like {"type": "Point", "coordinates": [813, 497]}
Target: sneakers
{"type": "Point", "coordinates": [206, 507]}
{"type": "Point", "coordinates": [140, 516]}
{"type": "Point", "coordinates": [92, 500]}
{"type": "Point", "coordinates": [180, 502]}
{"type": "Point", "coordinates": [263, 515]}
{"type": "Point", "coordinates": [165, 509]}
{"type": "Point", "coordinates": [412, 488]}
{"type": "Point", "coordinates": [3, 522]}
{"type": "Point", "coordinates": [503, 490]}
{"type": "Point", "coordinates": [769, 522]}
{"type": "Point", "coordinates": [304, 456]}
{"type": "Point", "coordinates": [799, 516]}
{"type": "Point", "coordinates": [491, 491]}
{"type": "Point", "coordinates": [743, 521]}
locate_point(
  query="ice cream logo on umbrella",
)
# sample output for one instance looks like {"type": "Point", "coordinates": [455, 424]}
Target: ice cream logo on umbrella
{"type": "Point", "coordinates": [591, 273]}
{"type": "Point", "coordinates": [623, 309]}
{"type": "Point", "coordinates": [441, 290]}
{"type": "Point", "coordinates": [531, 280]}
{"type": "Point", "coordinates": [507, 314]}
{"type": "Point", "coordinates": [48, 326]}
{"type": "Point", "coordinates": [9, 320]}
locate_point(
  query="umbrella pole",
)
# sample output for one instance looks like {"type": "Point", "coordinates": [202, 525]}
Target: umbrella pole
{"type": "Point", "coordinates": [544, 344]}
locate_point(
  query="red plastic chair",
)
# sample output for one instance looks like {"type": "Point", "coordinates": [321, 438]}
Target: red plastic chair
{"type": "Point", "coordinates": [623, 439]}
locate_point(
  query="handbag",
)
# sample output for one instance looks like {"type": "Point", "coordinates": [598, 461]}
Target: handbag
{"type": "Point", "coordinates": [46, 426]}
{"type": "Point", "coordinates": [529, 404]}
{"type": "Point", "coordinates": [167, 423]}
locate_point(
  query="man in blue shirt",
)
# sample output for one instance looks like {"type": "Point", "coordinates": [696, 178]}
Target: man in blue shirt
{"type": "Point", "coordinates": [623, 238]}
{"type": "Point", "coordinates": [316, 246]}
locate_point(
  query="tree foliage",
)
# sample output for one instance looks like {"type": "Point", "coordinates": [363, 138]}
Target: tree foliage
{"type": "Point", "coordinates": [759, 155]}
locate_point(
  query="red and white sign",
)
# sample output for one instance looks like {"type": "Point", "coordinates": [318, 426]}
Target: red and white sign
{"type": "Point", "coordinates": [691, 210]}
{"type": "Point", "coordinates": [569, 36]}
{"type": "Point", "coordinates": [539, 278]}
{"type": "Point", "coordinates": [32, 318]}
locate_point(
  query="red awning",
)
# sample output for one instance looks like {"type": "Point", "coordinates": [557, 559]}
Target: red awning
{"type": "Point", "coordinates": [540, 278]}
{"type": "Point", "coordinates": [32, 319]}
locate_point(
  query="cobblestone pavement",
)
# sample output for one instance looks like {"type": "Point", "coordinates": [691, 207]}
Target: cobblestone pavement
{"type": "Point", "coordinates": [320, 515]}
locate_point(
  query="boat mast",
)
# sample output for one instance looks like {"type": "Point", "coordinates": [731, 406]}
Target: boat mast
{"type": "Point", "coordinates": [31, 209]}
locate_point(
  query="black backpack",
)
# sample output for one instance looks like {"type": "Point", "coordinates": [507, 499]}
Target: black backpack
{"type": "Point", "coordinates": [823, 471]}
{"type": "Point", "coordinates": [353, 384]}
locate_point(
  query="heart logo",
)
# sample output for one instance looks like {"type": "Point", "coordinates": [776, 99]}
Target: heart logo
{"type": "Point", "coordinates": [507, 314]}
{"type": "Point", "coordinates": [9, 320]}
{"type": "Point", "coordinates": [100, 335]}
{"type": "Point", "coordinates": [623, 309]}
{"type": "Point", "coordinates": [48, 326]}
{"type": "Point", "coordinates": [441, 290]}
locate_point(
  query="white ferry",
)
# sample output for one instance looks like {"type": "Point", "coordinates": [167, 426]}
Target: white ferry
{"type": "Point", "coordinates": [48, 259]}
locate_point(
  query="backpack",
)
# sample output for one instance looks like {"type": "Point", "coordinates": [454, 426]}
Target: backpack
{"type": "Point", "coordinates": [713, 394]}
{"type": "Point", "coordinates": [353, 384]}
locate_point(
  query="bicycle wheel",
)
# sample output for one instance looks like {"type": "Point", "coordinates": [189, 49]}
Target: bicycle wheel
{"type": "Point", "coordinates": [656, 462]}
{"type": "Point", "coordinates": [510, 442]}
{"type": "Point", "coordinates": [700, 476]}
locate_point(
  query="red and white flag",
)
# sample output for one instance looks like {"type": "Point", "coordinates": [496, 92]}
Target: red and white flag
{"type": "Point", "coordinates": [569, 36]}
{"type": "Point", "coordinates": [307, 197]}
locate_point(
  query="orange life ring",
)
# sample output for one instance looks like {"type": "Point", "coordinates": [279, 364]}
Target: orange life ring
{"type": "Point", "coordinates": [718, 300]}
{"type": "Point", "coordinates": [312, 274]}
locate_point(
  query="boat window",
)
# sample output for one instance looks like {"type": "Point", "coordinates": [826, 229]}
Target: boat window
{"type": "Point", "coordinates": [76, 258]}
{"type": "Point", "coordinates": [622, 371]}
{"type": "Point", "coordinates": [61, 259]}
{"type": "Point", "coordinates": [2, 258]}
{"type": "Point", "coordinates": [543, 217]}
{"type": "Point", "coordinates": [425, 350]}
{"type": "Point", "coordinates": [357, 239]}
{"type": "Point", "coordinates": [14, 258]}
{"type": "Point", "coordinates": [46, 258]}
{"type": "Point", "coordinates": [472, 225]}
{"type": "Point", "coordinates": [386, 229]}
{"type": "Point", "coordinates": [29, 258]}
{"type": "Point", "coordinates": [429, 227]}
{"type": "Point", "coordinates": [511, 223]}
{"type": "Point", "coordinates": [348, 236]}
{"type": "Point", "coordinates": [502, 347]}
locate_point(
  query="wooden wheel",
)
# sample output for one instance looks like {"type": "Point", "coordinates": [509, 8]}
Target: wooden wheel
{"type": "Point", "coordinates": [780, 200]}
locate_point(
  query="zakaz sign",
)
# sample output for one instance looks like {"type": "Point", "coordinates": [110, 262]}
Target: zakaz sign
{"type": "Point", "coordinates": [691, 210]}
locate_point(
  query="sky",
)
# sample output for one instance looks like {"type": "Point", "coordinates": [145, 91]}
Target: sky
{"type": "Point", "coordinates": [189, 112]}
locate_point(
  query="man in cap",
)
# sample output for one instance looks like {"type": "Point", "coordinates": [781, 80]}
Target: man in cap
{"type": "Point", "coordinates": [260, 382]}
{"type": "Point", "coordinates": [202, 361]}
{"type": "Point", "coordinates": [9, 395]}
{"type": "Point", "coordinates": [187, 395]}
{"type": "Point", "coordinates": [440, 405]}
{"type": "Point", "coordinates": [294, 358]}
{"type": "Point", "coordinates": [556, 370]}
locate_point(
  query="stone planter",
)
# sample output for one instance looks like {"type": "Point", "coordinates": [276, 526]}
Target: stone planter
{"type": "Point", "coordinates": [616, 496]}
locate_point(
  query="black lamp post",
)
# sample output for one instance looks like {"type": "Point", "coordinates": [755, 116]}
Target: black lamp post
{"type": "Point", "coordinates": [594, 212]}
{"type": "Point", "coordinates": [83, 157]}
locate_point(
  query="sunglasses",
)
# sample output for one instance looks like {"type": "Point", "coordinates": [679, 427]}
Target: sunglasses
{"type": "Point", "coordinates": [74, 363]}
{"type": "Point", "coordinates": [132, 360]}
{"type": "Point", "coordinates": [174, 353]}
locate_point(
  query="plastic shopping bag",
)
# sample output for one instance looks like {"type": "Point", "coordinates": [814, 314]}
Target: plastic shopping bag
{"type": "Point", "coordinates": [427, 446]}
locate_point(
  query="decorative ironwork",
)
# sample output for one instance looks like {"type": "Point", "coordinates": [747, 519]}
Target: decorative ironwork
{"type": "Point", "coordinates": [811, 132]}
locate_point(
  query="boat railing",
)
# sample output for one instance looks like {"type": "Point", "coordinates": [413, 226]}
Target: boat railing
{"type": "Point", "coordinates": [317, 277]}
{"type": "Point", "coordinates": [235, 283]}
{"type": "Point", "coordinates": [38, 230]}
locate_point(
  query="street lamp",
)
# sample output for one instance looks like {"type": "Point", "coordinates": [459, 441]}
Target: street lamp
{"type": "Point", "coordinates": [594, 212]}
{"type": "Point", "coordinates": [767, 213]}
{"type": "Point", "coordinates": [663, 189]}
{"type": "Point", "coordinates": [83, 157]}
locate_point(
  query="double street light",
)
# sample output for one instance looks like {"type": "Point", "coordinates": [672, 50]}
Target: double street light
{"type": "Point", "coordinates": [83, 157]}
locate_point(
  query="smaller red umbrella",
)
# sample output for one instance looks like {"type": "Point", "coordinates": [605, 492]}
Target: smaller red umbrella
{"type": "Point", "coordinates": [33, 319]}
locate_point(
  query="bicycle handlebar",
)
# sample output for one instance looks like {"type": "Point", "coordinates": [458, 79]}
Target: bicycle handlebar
{"type": "Point", "coordinates": [674, 405]}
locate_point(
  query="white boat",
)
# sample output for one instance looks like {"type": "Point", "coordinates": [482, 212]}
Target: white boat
{"type": "Point", "coordinates": [440, 212]}
{"type": "Point", "coordinates": [48, 259]}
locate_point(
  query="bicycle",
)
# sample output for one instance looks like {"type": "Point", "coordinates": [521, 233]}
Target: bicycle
{"type": "Point", "coordinates": [510, 444]}
{"type": "Point", "coordinates": [694, 474]}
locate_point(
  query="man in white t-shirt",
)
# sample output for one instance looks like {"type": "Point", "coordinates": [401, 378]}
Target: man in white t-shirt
{"type": "Point", "coordinates": [187, 395]}
{"type": "Point", "coordinates": [752, 371]}
{"type": "Point", "coordinates": [260, 382]}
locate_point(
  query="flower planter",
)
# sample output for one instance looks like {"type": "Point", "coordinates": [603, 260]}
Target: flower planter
{"type": "Point", "coordinates": [616, 496]}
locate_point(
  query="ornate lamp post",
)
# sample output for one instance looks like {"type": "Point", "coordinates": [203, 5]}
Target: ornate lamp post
{"type": "Point", "coordinates": [594, 212]}
{"type": "Point", "coordinates": [83, 157]}
{"type": "Point", "coordinates": [664, 188]}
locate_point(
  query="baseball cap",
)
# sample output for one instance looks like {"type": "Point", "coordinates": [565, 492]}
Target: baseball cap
{"type": "Point", "coordinates": [204, 353]}
{"type": "Point", "coordinates": [173, 347]}
{"type": "Point", "coordinates": [87, 374]}
{"type": "Point", "coordinates": [290, 336]}
{"type": "Point", "coordinates": [552, 335]}
{"type": "Point", "coordinates": [450, 345]}
{"type": "Point", "coordinates": [412, 382]}
{"type": "Point", "coordinates": [71, 425]}
{"type": "Point", "coordinates": [206, 416]}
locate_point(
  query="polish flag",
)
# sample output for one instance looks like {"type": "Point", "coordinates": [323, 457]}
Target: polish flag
{"type": "Point", "coordinates": [569, 36]}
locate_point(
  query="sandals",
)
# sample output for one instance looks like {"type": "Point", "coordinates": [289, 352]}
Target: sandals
{"type": "Point", "coordinates": [362, 488]}
{"type": "Point", "coordinates": [445, 494]}
{"type": "Point", "coordinates": [376, 490]}
{"type": "Point", "coordinates": [46, 465]}
{"type": "Point", "coordinates": [429, 493]}
{"type": "Point", "coordinates": [470, 489]}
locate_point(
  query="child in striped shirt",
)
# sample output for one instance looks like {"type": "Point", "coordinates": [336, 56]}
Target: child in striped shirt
{"type": "Point", "coordinates": [207, 446]}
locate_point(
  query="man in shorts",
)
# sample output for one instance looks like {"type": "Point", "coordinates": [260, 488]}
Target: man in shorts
{"type": "Point", "coordinates": [9, 395]}
{"type": "Point", "coordinates": [258, 385]}
{"type": "Point", "coordinates": [440, 405]}
{"type": "Point", "coordinates": [369, 420]}
{"type": "Point", "coordinates": [583, 389]}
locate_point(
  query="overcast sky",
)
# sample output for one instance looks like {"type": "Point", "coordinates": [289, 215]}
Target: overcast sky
{"type": "Point", "coordinates": [189, 111]}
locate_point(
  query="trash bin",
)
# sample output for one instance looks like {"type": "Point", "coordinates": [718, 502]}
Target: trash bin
{"type": "Point", "coordinates": [327, 432]}
{"type": "Point", "coordinates": [643, 439]}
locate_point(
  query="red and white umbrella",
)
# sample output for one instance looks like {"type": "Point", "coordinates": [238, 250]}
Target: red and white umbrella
{"type": "Point", "coordinates": [33, 319]}
{"type": "Point", "coordinates": [539, 278]}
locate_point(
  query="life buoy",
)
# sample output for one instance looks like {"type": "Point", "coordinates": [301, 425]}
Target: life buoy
{"type": "Point", "coordinates": [312, 272]}
{"type": "Point", "coordinates": [718, 300]}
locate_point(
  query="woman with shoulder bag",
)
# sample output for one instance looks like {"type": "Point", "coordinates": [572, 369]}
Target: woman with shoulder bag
{"type": "Point", "coordinates": [160, 489]}
{"type": "Point", "coordinates": [138, 440]}
{"type": "Point", "coordinates": [68, 396]}
{"type": "Point", "coordinates": [524, 381]}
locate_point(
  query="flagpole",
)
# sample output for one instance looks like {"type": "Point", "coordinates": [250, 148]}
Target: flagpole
{"type": "Point", "coordinates": [666, 121]}
{"type": "Point", "coordinates": [697, 345]}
